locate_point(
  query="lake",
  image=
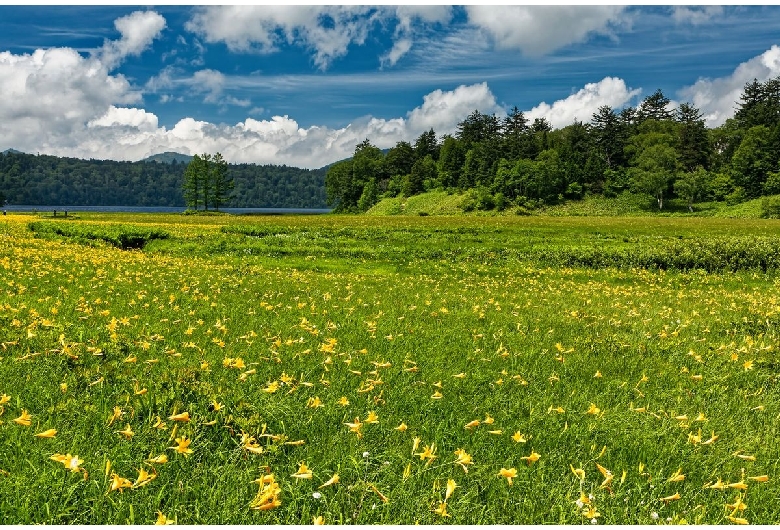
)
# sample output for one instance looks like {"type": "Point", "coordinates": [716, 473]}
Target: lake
{"type": "Point", "coordinates": [162, 209]}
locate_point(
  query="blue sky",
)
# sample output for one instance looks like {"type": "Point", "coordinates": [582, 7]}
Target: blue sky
{"type": "Point", "coordinates": [302, 85]}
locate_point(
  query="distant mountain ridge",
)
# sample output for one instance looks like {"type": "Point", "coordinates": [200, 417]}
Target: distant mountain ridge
{"type": "Point", "coordinates": [168, 157]}
{"type": "Point", "coordinates": [12, 151]}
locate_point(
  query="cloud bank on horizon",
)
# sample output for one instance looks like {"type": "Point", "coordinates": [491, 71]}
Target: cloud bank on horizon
{"type": "Point", "coordinates": [66, 102]}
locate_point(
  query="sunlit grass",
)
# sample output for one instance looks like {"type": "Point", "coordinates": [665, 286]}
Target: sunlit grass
{"type": "Point", "coordinates": [350, 368]}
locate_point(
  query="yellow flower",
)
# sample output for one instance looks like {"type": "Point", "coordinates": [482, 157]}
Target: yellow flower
{"type": "Point", "coordinates": [677, 476]}
{"type": "Point", "coordinates": [519, 438]}
{"type": "Point", "coordinates": [488, 420]}
{"type": "Point", "coordinates": [5, 398]}
{"type": "Point", "coordinates": [267, 497]}
{"type": "Point", "coordinates": [463, 460]}
{"type": "Point", "coordinates": [593, 410]}
{"type": "Point", "coordinates": [442, 510]}
{"type": "Point", "coordinates": [674, 497]}
{"type": "Point", "coordinates": [183, 446]}
{"type": "Point", "coordinates": [607, 475]}
{"type": "Point", "coordinates": [332, 480]}
{"type": "Point", "coordinates": [182, 416]}
{"type": "Point", "coordinates": [314, 402]}
{"type": "Point", "coordinates": [127, 432]}
{"type": "Point", "coordinates": [24, 418]}
{"type": "Point", "coordinates": [355, 427]}
{"type": "Point", "coordinates": [508, 474]}
{"type": "Point", "coordinates": [437, 395]}
{"type": "Point", "coordinates": [49, 433]}
{"type": "Point", "coordinates": [317, 520]}
{"type": "Point", "coordinates": [760, 478]}
{"type": "Point", "coordinates": [162, 459]}
{"type": "Point", "coordinates": [144, 478]}
{"type": "Point", "coordinates": [470, 425]}
{"type": "Point", "coordinates": [372, 417]}
{"type": "Point", "coordinates": [71, 462]}
{"type": "Point", "coordinates": [401, 427]}
{"type": "Point", "coordinates": [737, 520]}
{"type": "Point", "coordinates": [119, 483]}
{"type": "Point", "coordinates": [579, 472]}
{"type": "Point", "coordinates": [530, 459]}
{"type": "Point", "coordinates": [451, 485]}
{"type": "Point", "coordinates": [303, 472]}
{"type": "Point", "coordinates": [590, 512]}
{"type": "Point", "coordinates": [738, 485]}
{"type": "Point", "coordinates": [429, 453]}
{"type": "Point", "coordinates": [719, 485]}
{"type": "Point", "coordinates": [737, 506]}
{"type": "Point", "coordinates": [115, 415]}
{"type": "Point", "coordinates": [162, 520]}
{"type": "Point", "coordinates": [343, 401]}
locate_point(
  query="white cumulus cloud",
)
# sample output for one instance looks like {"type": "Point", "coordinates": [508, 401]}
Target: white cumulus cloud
{"type": "Point", "coordinates": [131, 133]}
{"type": "Point", "coordinates": [538, 30]}
{"type": "Point", "coordinates": [585, 102]}
{"type": "Point", "coordinates": [327, 30]}
{"type": "Point", "coordinates": [49, 95]}
{"type": "Point", "coordinates": [138, 30]}
{"type": "Point", "coordinates": [718, 98]}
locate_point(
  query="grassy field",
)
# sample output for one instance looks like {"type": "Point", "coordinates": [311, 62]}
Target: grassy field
{"type": "Point", "coordinates": [360, 370]}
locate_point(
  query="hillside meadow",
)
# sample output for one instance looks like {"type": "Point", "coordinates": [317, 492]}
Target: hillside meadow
{"type": "Point", "coordinates": [361, 370]}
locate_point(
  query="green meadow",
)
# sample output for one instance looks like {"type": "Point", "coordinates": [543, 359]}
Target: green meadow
{"type": "Point", "coordinates": [409, 369]}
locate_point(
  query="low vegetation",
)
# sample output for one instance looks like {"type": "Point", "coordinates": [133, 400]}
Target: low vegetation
{"type": "Point", "coordinates": [392, 369]}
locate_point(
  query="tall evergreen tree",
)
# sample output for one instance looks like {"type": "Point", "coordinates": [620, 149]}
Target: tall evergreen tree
{"type": "Point", "coordinates": [221, 182]}
{"type": "Point", "coordinates": [655, 107]}
{"type": "Point", "coordinates": [693, 141]}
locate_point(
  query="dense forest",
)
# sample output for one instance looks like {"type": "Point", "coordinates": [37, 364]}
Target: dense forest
{"type": "Point", "coordinates": [652, 149]}
{"type": "Point", "coordinates": [41, 180]}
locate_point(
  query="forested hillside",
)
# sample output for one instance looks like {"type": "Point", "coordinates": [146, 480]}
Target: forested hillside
{"type": "Point", "coordinates": [48, 180]}
{"type": "Point", "coordinates": [653, 149]}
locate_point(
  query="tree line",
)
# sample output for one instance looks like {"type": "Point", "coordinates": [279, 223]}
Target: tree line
{"type": "Point", "coordinates": [43, 180]}
{"type": "Point", "coordinates": [652, 148]}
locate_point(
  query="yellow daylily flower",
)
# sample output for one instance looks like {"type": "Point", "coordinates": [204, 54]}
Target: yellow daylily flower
{"type": "Point", "coordinates": [182, 416]}
{"type": "Point", "coordinates": [579, 472]}
{"type": "Point", "coordinates": [530, 459]}
{"type": "Point", "coordinates": [429, 453]}
{"type": "Point", "coordinates": [162, 520]}
{"type": "Point", "coordinates": [451, 485]}
{"type": "Point", "coordinates": [674, 497]}
{"type": "Point", "coordinates": [49, 433]}
{"type": "Point", "coordinates": [162, 459]}
{"type": "Point", "coordinates": [183, 446]}
{"type": "Point", "coordinates": [677, 476]}
{"type": "Point", "coordinates": [24, 419]}
{"type": "Point", "coordinates": [71, 462]}
{"type": "Point", "coordinates": [332, 480]}
{"type": "Point", "coordinates": [127, 432]}
{"type": "Point", "coordinates": [463, 460]}
{"type": "Point", "coordinates": [355, 427]}
{"type": "Point", "coordinates": [303, 472]}
{"type": "Point", "coordinates": [442, 510]}
{"type": "Point", "coordinates": [508, 474]}
{"type": "Point", "coordinates": [401, 427]}
{"type": "Point", "coordinates": [519, 438]}
{"type": "Point", "coordinates": [144, 478]}
{"type": "Point", "coordinates": [119, 483]}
